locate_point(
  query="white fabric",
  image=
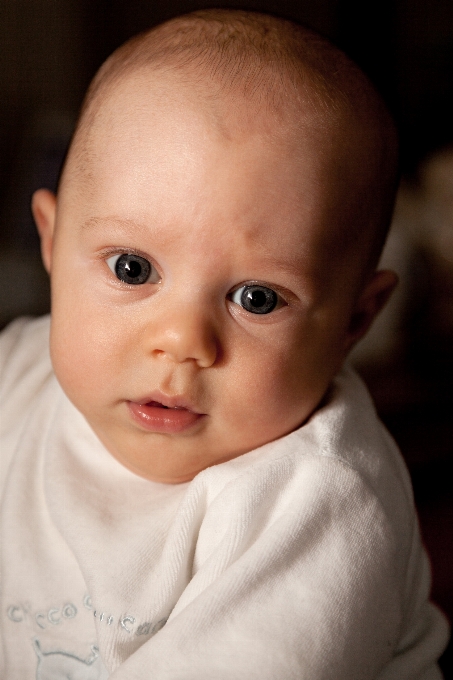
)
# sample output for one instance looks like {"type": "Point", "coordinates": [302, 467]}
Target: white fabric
{"type": "Point", "coordinates": [299, 560]}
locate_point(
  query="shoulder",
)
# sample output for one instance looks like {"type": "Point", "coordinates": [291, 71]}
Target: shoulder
{"type": "Point", "coordinates": [25, 364]}
{"type": "Point", "coordinates": [348, 429]}
{"type": "Point", "coordinates": [23, 344]}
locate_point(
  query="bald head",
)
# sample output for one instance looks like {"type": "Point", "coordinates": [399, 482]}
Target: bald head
{"type": "Point", "coordinates": [257, 69]}
{"type": "Point", "coordinates": [250, 53]}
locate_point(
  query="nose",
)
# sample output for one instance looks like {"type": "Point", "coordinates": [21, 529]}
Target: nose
{"type": "Point", "coordinates": [184, 332]}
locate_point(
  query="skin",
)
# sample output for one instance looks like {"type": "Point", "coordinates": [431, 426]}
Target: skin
{"type": "Point", "coordinates": [213, 201]}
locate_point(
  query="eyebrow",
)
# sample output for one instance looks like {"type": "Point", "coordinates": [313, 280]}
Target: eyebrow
{"type": "Point", "coordinates": [102, 222]}
{"type": "Point", "coordinates": [291, 266]}
{"type": "Point", "coordinates": [120, 224]}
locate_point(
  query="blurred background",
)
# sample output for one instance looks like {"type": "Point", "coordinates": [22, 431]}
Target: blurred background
{"type": "Point", "coordinates": [49, 51]}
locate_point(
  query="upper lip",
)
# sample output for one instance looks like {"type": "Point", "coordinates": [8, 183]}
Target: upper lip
{"type": "Point", "coordinates": [170, 401]}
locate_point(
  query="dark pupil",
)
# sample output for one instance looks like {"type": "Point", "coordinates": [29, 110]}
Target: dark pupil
{"type": "Point", "coordinates": [259, 300]}
{"type": "Point", "coordinates": [132, 269]}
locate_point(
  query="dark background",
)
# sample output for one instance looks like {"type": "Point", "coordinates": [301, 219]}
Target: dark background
{"type": "Point", "coordinates": [50, 49]}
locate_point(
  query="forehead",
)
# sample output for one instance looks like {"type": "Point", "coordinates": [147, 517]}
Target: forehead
{"type": "Point", "coordinates": [157, 122]}
{"type": "Point", "coordinates": [158, 153]}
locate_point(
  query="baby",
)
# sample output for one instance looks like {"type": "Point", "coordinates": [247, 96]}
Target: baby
{"type": "Point", "coordinates": [193, 487]}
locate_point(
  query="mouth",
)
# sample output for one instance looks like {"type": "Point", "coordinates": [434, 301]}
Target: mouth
{"type": "Point", "coordinates": [157, 404]}
{"type": "Point", "coordinates": [164, 414]}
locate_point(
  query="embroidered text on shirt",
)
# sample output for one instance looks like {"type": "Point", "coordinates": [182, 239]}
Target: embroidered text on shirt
{"type": "Point", "coordinates": [54, 615]}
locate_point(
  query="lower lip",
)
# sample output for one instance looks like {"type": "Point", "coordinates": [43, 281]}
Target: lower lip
{"type": "Point", "coordinates": [165, 420]}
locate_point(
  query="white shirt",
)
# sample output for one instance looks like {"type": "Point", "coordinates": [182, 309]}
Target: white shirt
{"type": "Point", "coordinates": [300, 560]}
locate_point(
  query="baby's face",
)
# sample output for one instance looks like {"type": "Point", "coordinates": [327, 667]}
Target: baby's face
{"type": "Point", "coordinates": [192, 318]}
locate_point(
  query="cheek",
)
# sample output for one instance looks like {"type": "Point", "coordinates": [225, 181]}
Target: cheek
{"type": "Point", "coordinates": [78, 342]}
{"type": "Point", "coordinates": [277, 386]}
{"type": "Point", "coordinates": [272, 391]}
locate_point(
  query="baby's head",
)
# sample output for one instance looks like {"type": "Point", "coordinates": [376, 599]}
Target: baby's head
{"type": "Point", "coordinates": [213, 245]}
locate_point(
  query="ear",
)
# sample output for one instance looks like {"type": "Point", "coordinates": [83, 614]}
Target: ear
{"type": "Point", "coordinates": [43, 207]}
{"type": "Point", "coordinates": [372, 299]}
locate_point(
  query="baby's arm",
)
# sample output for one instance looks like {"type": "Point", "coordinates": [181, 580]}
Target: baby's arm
{"type": "Point", "coordinates": [308, 584]}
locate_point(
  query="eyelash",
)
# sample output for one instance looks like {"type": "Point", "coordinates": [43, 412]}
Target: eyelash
{"type": "Point", "coordinates": [254, 297]}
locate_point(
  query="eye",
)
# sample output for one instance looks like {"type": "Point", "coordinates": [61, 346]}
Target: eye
{"type": "Point", "coordinates": [256, 299]}
{"type": "Point", "coordinates": [133, 269]}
